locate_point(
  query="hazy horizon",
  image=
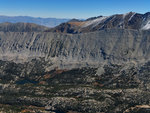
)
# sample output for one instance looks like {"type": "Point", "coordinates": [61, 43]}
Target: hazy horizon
{"type": "Point", "coordinates": [66, 17]}
{"type": "Point", "coordinates": [80, 9]}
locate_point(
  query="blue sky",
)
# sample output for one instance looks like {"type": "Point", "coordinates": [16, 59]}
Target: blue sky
{"type": "Point", "coordinates": [71, 8]}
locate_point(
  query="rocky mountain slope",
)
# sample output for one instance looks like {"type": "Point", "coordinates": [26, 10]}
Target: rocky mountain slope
{"type": "Point", "coordinates": [129, 20]}
{"type": "Point", "coordinates": [111, 45]}
{"type": "Point", "coordinates": [92, 69]}
{"type": "Point", "coordinates": [49, 22]}
{"type": "Point", "coordinates": [29, 87]}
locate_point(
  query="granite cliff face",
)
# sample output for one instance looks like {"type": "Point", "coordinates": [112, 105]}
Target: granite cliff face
{"type": "Point", "coordinates": [112, 45]}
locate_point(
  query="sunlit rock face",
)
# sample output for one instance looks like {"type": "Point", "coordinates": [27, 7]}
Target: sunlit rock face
{"type": "Point", "coordinates": [111, 45]}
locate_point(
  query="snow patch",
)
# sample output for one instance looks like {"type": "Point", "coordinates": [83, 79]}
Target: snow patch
{"type": "Point", "coordinates": [144, 19]}
{"type": "Point", "coordinates": [95, 21]}
{"type": "Point", "coordinates": [147, 26]}
{"type": "Point", "coordinates": [132, 16]}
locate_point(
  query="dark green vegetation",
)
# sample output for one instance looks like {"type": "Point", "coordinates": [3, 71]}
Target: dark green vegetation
{"type": "Point", "coordinates": [29, 87]}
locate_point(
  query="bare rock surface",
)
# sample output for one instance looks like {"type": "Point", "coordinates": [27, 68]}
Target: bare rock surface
{"type": "Point", "coordinates": [111, 45]}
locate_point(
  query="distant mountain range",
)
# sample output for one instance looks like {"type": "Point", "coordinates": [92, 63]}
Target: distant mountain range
{"type": "Point", "coordinates": [22, 27]}
{"type": "Point", "coordinates": [48, 22]}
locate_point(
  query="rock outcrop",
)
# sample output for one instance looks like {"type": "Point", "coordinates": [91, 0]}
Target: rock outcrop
{"type": "Point", "coordinates": [31, 87]}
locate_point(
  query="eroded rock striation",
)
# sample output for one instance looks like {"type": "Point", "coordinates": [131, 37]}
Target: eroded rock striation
{"type": "Point", "coordinates": [110, 45]}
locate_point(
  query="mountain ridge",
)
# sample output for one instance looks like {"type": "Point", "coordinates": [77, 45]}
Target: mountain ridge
{"type": "Point", "coordinates": [129, 20]}
{"type": "Point", "coordinates": [111, 45]}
